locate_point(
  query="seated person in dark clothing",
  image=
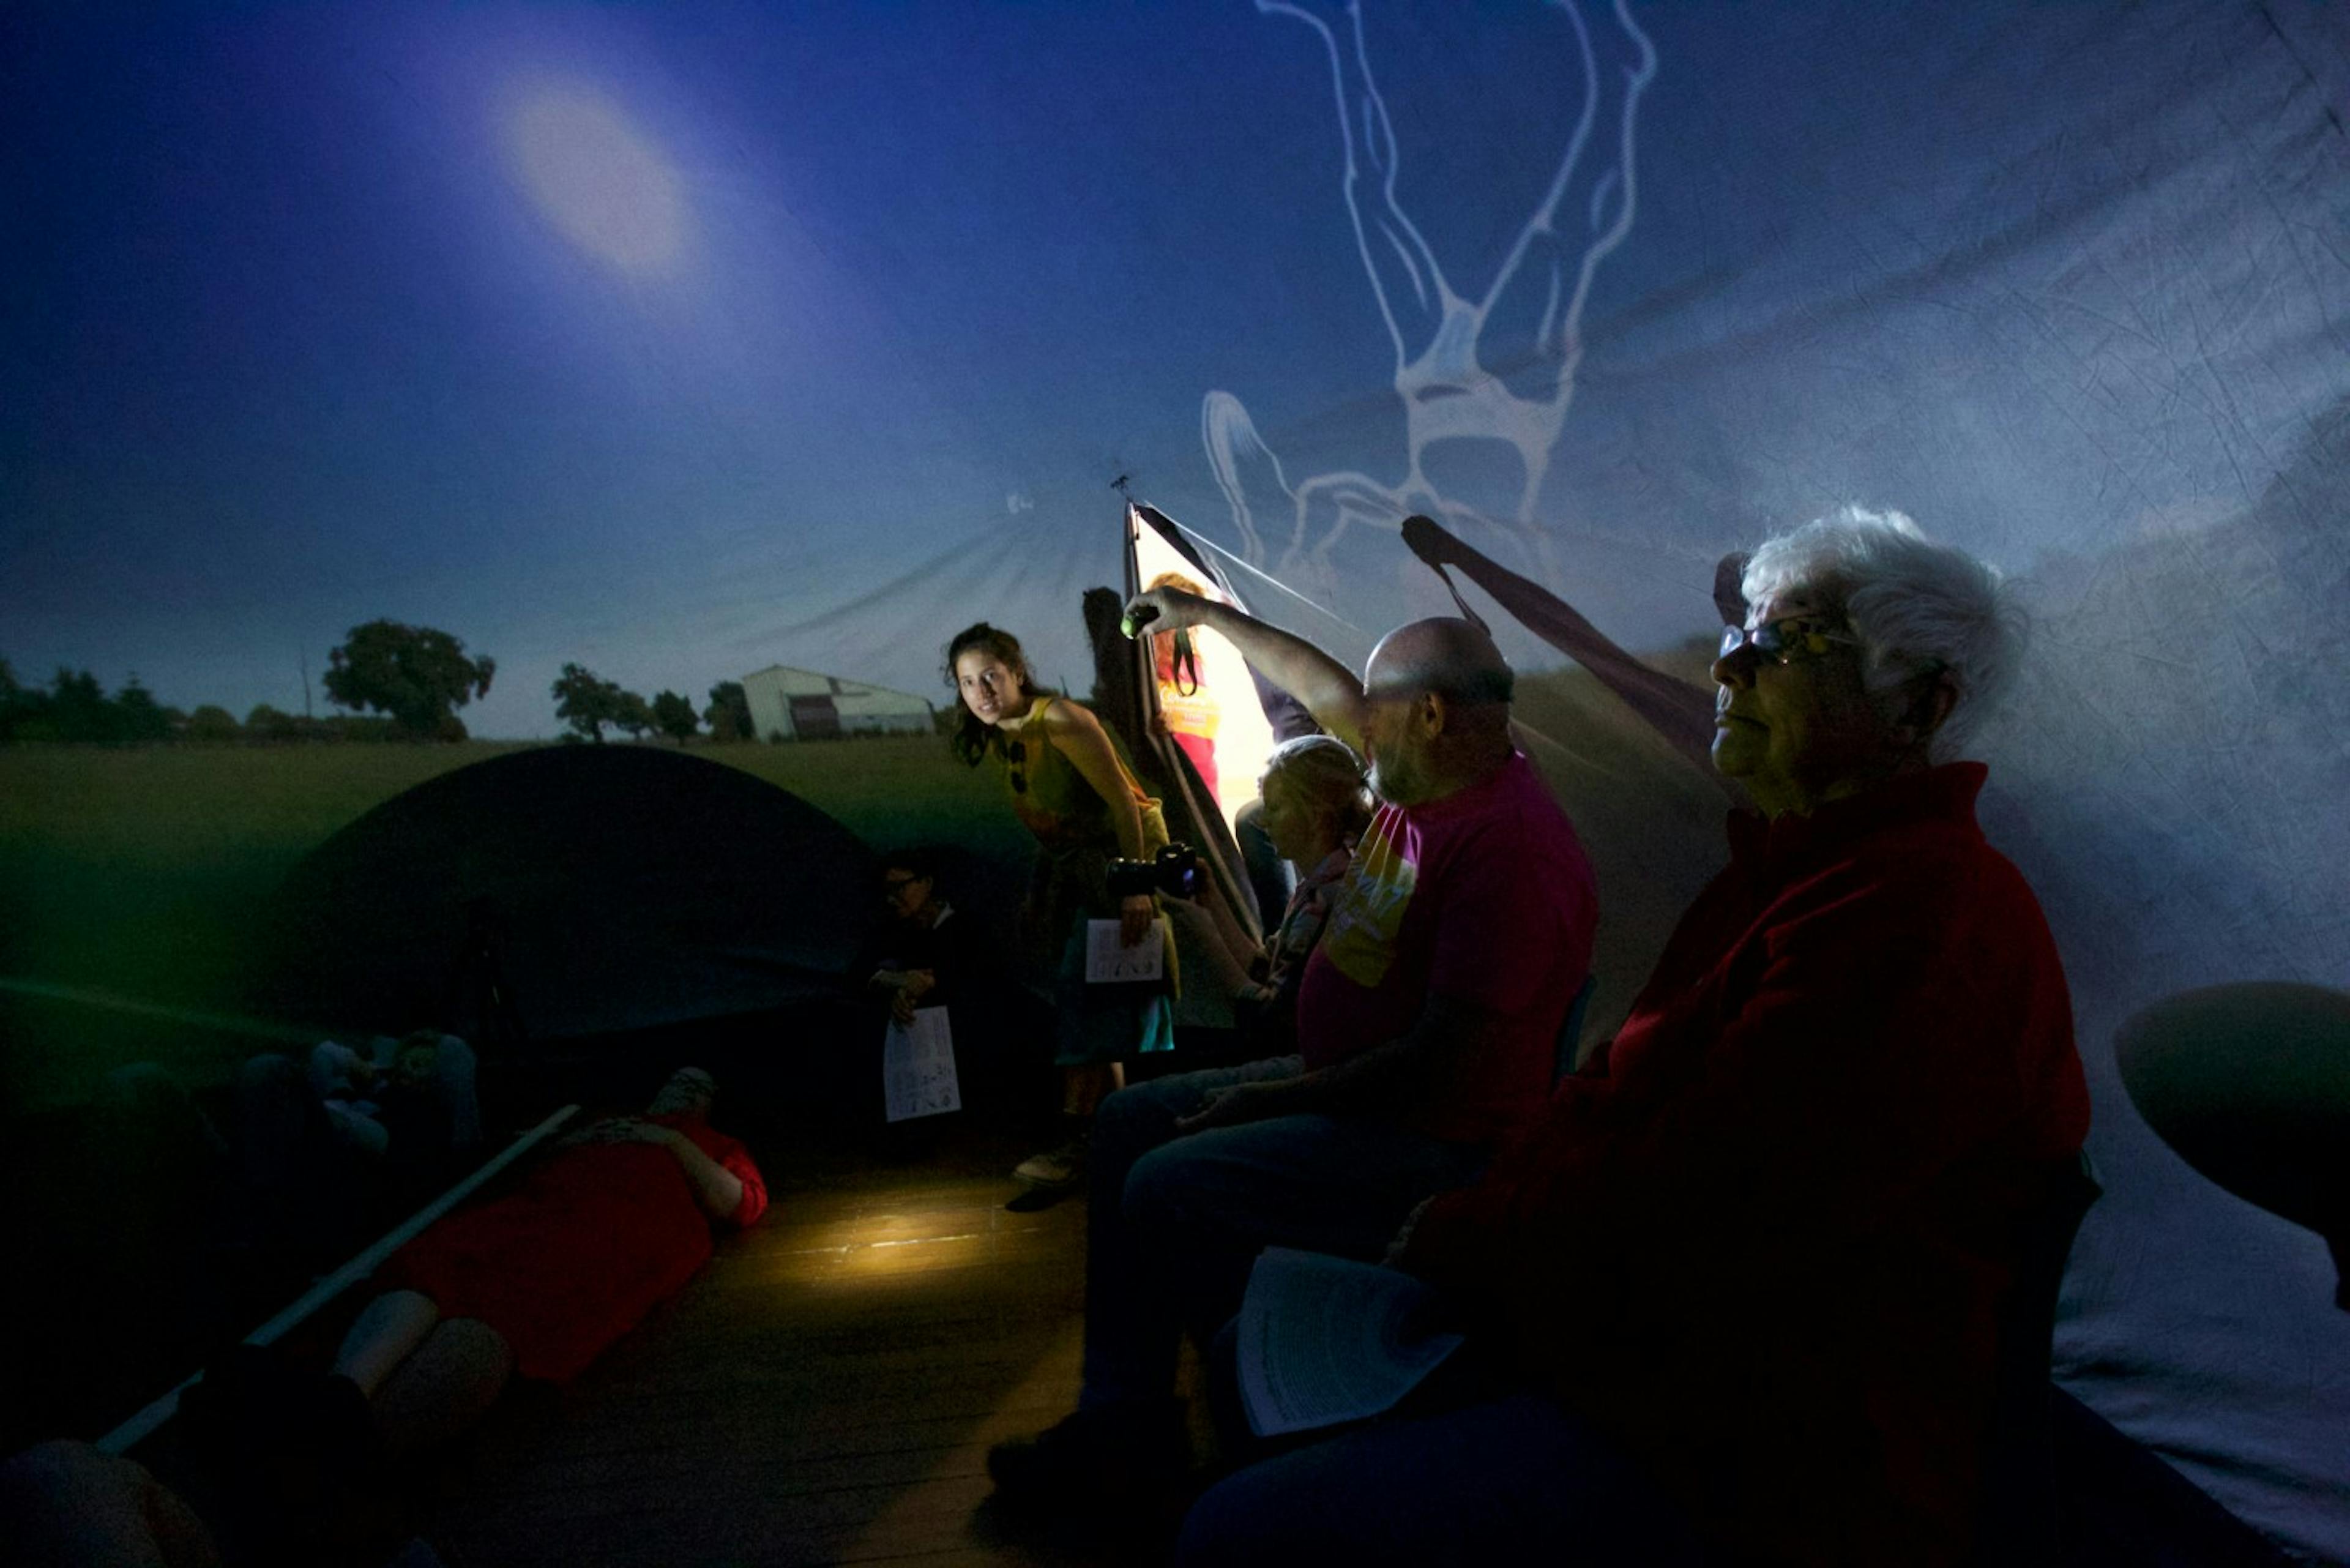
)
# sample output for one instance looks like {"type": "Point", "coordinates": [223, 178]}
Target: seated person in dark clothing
{"type": "Point", "coordinates": [1741, 1280]}
{"type": "Point", "coordinates": [337, 1142]}
{"type": "Point", "coordinates": [417, 1090]}
{"type": "Point", "coordinates": [928, 953]}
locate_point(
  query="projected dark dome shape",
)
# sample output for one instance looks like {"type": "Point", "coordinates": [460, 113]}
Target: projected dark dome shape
{"type": "Point", "coordinates": [623, 887]}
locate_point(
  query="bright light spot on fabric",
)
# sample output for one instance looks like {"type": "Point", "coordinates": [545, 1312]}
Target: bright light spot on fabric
{"type": "Point", "coordinates": [597, 180]}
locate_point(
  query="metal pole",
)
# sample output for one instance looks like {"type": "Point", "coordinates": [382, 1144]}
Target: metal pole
{"type": "Point", "coordinates": [131, 1431]}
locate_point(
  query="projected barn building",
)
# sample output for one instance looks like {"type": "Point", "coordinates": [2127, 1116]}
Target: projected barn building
{"type": "Point", "coordinates": [804, 705]}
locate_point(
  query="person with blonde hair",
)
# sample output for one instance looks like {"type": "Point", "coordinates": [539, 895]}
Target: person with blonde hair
{"type": "Point", "coordinates": [1314, 805]}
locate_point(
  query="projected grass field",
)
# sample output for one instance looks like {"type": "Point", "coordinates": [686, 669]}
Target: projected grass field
{"type": "Point", "coordinates": [138, 875]}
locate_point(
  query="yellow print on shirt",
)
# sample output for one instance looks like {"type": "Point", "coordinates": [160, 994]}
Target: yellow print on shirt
{"type": "Point", "coordinates": [1360, 938]}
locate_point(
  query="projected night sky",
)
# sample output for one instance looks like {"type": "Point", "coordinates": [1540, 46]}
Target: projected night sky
{"type": "Point", "coordinates": [596, 180]}
{"type": "Point", "coordinates": [680, 341]}
{"type": "Point", "coordinates": [626, 335]}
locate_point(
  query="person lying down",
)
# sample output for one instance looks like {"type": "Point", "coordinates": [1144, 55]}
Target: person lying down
{"type": "Point", "coordinates": [541, 1280]}
{"type": "Point", "coordinates": [535, 1280]}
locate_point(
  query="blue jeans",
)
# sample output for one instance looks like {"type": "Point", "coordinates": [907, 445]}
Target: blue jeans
{"type": "Point", "coordinates": [1513, 1480]}
{"type": "Point", "coordinates": [1175, 1220]}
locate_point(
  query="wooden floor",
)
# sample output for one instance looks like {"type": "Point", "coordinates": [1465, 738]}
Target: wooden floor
{"type": "Point", "coordinates": [826, 1391]}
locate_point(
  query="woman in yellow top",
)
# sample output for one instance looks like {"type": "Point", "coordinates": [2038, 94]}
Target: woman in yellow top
{"type": "Point", "coordinates": [1072, 787]}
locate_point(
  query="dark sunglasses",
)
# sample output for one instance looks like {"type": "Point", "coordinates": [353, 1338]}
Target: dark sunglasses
{"type": "Point", "coordinates": [1017, 753]}
{"type": "Point", "coordinates": [1785, 640]}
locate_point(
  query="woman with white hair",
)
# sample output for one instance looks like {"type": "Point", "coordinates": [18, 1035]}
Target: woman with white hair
{"type": "Point", "coordinates": [1928, 640]}
{"type": "Point", "coordinates": [1741, 1283]}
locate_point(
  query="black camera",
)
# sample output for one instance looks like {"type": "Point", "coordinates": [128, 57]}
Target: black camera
{"type": "Point", "coordinates": [1174, 870]}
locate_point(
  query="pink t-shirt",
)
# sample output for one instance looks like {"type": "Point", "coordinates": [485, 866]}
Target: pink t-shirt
{"type": "Point", "coordinates": [1484, 896]}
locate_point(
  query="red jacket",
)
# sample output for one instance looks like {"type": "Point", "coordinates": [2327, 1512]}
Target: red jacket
{"type": "Point", "coordinates": [1764, 1242]}
{"type": "Point", "coordinates": [579, 1248]}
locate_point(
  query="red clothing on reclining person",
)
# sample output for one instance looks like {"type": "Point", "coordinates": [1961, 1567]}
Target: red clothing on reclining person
{"type": "Point", "coordinates": [1767, 1248]}
{"type": "Point", "coordinates": [1483, 897]}
{"type": "Point", "coordinates": [589, 1239]}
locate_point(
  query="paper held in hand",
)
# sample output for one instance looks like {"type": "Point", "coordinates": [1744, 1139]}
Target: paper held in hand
{"type": "Point", "coordinates": [1325, 1340]}
{"type": "Point", "coordinates": [918, 1066]}
{"type": "Point", "coordinates": [1108, 961]}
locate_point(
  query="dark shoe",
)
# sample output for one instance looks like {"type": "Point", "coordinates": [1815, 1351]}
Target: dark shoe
{"type": "Point", "coordinates": [1036, 1200]}
{"type": "Point", "coordinates": [1110, 1460]}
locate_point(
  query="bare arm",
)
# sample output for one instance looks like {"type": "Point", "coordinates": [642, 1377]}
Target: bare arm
{"type": "Point", "coordinates": [717, 1190]}
{"type": "Point", "coordinates": [1677, 710]}
{"type": "Point", "coordinates": [1331, 692]}
{"type": "Point", "coordinates": [905, 988]}
{"type": "Point", "coordinates": [1086, 744]}
{"type": "Point", "coordinates": [1226, 951]}
{"type": "Point", "coordinates": [1238, 949]}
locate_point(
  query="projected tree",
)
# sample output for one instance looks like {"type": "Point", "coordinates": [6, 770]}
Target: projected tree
{"type": "Point", "coordinates": [586, 702]}
{"type": "Point", "coordinates": [416, 674]}
{"type": "Point", "coordinates": [77, 708]}
{"type": "Point", "coordinates": [24, 710]}
{"type": "Point", "coordinates": [673, 712]}
{"type": "Point", "coordinates": [137, 716]}
{"type": "Point", "coordinates": [212, 724]}
{"type": "Point", "coordinates": [634, 714]}
{"type": "Point", "coordinates": [728, 713]}
{"type": "Point", "coordinates": [267, 723]}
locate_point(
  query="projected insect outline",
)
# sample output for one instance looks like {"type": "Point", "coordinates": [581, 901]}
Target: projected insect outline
{"type": "Point", "coordinates": [1447, 393]}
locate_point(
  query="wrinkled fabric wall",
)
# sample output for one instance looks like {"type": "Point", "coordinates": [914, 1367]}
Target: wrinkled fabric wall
{"type": "Point", "coordinates": [1608, 290]}
{"type": "Point", "coordinates": [2069, 284]}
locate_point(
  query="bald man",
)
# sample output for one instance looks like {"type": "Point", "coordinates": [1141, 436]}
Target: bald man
{"type": "Point", "coordinates": [1428, 1024]}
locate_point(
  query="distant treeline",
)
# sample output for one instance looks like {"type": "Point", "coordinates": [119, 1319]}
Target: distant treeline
{"type": "Point", "coordinates": [72, 708]}
{"type": "Point", "coordinates": [587, 702]}
{"type": "Point", "coordinates": [414, 676]}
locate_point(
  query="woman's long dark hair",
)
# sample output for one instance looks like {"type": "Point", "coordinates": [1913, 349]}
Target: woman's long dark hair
{"type": "Point", "coordinates": [972, 740]}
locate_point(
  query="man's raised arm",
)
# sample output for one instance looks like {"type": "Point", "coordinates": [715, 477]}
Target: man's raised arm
{"type": "Point", "coordinates": [1331, 692]}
